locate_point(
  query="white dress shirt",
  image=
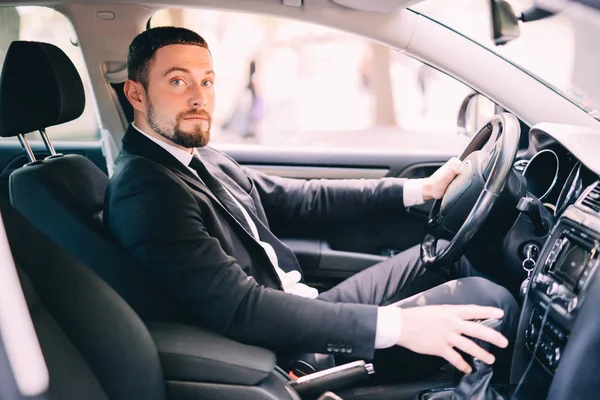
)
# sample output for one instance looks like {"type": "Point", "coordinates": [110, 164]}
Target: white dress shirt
{"type": "Point", "coordinates": [389, 319]}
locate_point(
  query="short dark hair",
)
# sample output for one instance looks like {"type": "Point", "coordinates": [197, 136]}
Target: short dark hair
{"type": "Point", "coordinates": [142, 48]}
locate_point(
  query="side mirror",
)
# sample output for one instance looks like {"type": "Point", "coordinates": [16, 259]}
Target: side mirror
{"type": "Point", "coordinates": [505, 23]}
{"type": "Point", "coordinates": [474, 112]}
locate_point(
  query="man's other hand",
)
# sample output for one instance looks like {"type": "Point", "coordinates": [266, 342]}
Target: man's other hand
{"type": "Point", "coordinates": [438, 330]}
{"type": "Point", "coordinates": [435, 186]}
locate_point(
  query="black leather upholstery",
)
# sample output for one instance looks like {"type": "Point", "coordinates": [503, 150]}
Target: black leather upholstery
{"type": "Point", "coordinates": [97, 348]}
{"type": "Point", "coordinates": [477, 384]}
{"type": "Point", "coordinates": [194, 354]}
{"type": "Point", "coordinates": [39, 87]}
{"type": "Point", "coordinates": [95, 345]}
{"type": "Point", "coordinates": [63, 360]}
{"type": "Point", "coordinates": [63, 196]}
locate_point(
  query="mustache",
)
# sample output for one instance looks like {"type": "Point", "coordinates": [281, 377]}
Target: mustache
{"type": "Point", "coordinates": [195, 113]}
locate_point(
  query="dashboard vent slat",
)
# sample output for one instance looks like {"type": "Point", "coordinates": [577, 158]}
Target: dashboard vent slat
{"type": "Point", "coordinates": [592, 200]}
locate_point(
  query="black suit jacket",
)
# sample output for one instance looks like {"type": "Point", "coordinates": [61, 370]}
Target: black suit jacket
{"type": "Point", "coordinates": [181, 234]}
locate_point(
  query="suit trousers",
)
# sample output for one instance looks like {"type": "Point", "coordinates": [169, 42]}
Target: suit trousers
{"type": "Point", "coordinates": [404, 281]}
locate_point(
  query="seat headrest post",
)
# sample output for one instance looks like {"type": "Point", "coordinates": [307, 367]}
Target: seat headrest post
{"type": "Point", "coordinates": [47, 142]}
{"type": "Point", "coordinates": [26, 147]}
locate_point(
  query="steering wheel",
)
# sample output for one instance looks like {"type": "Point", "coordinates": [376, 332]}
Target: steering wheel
{"type": "Point", "coordinates": [481, 178]}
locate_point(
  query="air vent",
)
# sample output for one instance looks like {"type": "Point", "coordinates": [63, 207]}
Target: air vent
{"type": "Point", "coordinates": [520, 165]}
{"type": "Point", "coordinates": [592, 200]}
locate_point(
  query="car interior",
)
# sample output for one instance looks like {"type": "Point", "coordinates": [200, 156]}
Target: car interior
{"type": "Point", "coordinates": [525, 207]}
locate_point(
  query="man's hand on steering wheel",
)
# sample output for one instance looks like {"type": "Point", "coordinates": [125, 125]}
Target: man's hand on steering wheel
{"type": "Point", "coordinates": [435, 186]}
{"type": "Point", "coordinates": [465, 202]}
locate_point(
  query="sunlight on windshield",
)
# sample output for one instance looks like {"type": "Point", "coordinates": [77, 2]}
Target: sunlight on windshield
{"type": "Point", "coordinates": [558, 50]}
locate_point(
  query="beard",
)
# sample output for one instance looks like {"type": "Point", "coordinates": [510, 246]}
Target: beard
{"type": "Point", "coordinates": [171, 129]}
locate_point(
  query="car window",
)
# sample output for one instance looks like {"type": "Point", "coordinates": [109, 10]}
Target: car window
{"type": "Point", "coordinates": [44, 24]}
{"type": "Point", "coordinates": [288, 83]}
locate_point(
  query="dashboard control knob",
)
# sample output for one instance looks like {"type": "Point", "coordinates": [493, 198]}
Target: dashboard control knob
{"type": "Point", "coordinates": [542, 282]}
{"type": "Point", "coordinates": [557, 289]}
{"type": "Point", "coordinates": [556, 357]}
{"type": "Point", "coordinates": [572, 304]}
{"type": "Point", "coordinates": [530, 334]}
{"type": "Point", "coordinates": [552, 289]}
{"type": "Point", "coordinates": [550, 357]}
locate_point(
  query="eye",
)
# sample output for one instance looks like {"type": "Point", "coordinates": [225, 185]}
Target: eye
{"type": "Point", "coordinates": [177, 82]}
{"type": "Point", "coordinates": [207, 83]}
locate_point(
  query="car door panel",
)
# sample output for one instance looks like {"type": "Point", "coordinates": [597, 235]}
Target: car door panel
{"type": "Point", "coordinates": [322, 265]}
{"type": "Point", "coordinates": [332, 251]}
{"type": "Point", "coordinates": [396, 162]}
{"type": "Point", "coordinates": [316, 254]}
{"type": "Point", "coordinates": [309, 172]}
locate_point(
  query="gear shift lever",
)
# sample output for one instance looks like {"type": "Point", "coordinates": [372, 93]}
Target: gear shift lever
{"type": "Point", "coordinates": [476, 385]}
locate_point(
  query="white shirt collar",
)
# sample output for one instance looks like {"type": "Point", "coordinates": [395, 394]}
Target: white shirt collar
{"type": "Point", "coordinates": [183, 156]}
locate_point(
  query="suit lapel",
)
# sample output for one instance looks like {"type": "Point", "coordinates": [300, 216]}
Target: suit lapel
{"type": "Point", "coordinates": [136, 143]}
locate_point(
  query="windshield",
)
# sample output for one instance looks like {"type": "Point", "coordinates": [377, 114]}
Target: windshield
{"type": "Point", "coordinates": [559, 50]}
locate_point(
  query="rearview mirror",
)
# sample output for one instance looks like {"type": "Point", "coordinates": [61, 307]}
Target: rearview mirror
{"type": "Point", "coordinates": [505, 24]}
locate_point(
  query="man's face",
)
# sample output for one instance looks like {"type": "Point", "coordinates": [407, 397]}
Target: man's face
{"type": "Point", "coordinates": [180, 94]}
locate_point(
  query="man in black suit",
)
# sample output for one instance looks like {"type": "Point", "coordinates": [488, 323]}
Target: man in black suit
{"type": "Point", "coordinates": [198, 222]}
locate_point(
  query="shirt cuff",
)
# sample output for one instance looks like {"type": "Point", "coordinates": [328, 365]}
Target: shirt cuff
{"type": "Point", "coordinates": [389, 324]}
{"type": "Point", "coordinates": [412, 192]}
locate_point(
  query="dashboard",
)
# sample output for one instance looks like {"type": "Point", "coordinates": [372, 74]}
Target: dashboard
{"type": "Point", "coordinates": [552, 166]}
{"type": "Point", "coordinates": [559, 319]}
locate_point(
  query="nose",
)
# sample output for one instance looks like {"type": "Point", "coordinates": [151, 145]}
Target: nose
{"type": "Point", "coordinates": [198, 98]}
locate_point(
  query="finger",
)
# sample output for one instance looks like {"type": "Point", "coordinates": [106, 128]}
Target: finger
{"type": "Point", "coordinates": [478, 312]}
{"type": "Point", "coordinates": [470, 347]}
{"type": "Point", "coordinates": [454, 163]}
{"type": "Point", "coordinates": [478, 331]}
{"type": "Point", "coordinates": [455, 359]}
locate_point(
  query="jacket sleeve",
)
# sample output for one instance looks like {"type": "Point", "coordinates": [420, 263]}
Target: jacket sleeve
{"type": "Point", "coordinates": [162, 225]}
{"type": "Point", "coordinates": [325, 199]}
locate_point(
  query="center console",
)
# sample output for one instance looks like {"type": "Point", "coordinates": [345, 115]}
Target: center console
{"type": "Point", "coordinates": [558, 288]}
{"type": "Point", "coordinates": [568, 260]}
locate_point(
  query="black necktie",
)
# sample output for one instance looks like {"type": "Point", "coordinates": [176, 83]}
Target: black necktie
{"type": "Point", "coordinates": [220, 192]}
{"type": "Point", "coordinates": [286, 257]}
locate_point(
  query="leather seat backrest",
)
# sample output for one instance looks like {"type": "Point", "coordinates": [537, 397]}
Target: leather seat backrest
{"type": "Point", "coordinates": [94, 344]}
{"type": "Point", "coordinates": [63, 195]}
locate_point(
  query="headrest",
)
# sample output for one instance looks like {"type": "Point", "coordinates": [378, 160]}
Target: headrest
{"type": "Point", "coordinates": [39, 87]}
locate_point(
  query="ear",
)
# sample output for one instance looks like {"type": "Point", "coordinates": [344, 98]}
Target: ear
{"type": "Point", "coordinates": [136, 94]}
